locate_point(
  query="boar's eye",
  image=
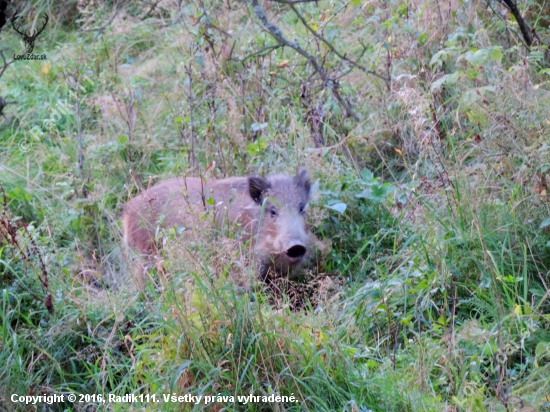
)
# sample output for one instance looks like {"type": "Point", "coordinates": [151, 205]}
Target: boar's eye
{"type": "Point", "coordinates": [273, 212]}
{"type": "Point", "coordinates": [302, 208]}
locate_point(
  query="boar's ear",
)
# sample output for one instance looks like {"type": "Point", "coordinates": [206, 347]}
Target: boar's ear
{"type": "Point", "coordinates": [302, 180]}
{"type": "Point", "coordinates": [257, 186]}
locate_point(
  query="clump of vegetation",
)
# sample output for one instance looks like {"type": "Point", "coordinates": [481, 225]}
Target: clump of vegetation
{"type": "Point", "coordinates": [424, 125]}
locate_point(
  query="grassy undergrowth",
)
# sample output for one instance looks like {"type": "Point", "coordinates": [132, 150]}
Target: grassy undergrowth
{"type": "Point", "coordinates": [432, 197]}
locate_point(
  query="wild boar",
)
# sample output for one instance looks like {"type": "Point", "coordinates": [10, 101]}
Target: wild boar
{"type": "Point", "coordinates": [270, 210]}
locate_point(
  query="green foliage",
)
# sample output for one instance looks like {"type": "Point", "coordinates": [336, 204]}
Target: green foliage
{"type": "Point", "coordinates": [362, 229]}
{"type": "Point", "coordinates": [434, 204]}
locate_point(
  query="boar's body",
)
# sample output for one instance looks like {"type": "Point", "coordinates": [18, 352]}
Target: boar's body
{"type": "Point", "coordinates": [281, 237]}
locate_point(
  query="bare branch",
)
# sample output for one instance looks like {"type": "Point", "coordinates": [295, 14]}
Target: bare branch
{"type": "Point", "coordinates": [102, 28]}
{"type": "Point", "coordinates": [3, 18]}
{"type": "Point", "coordinates": [333, 49]}
{"type": "Point", "coordinates": [523, 26]}
{"type": "Point", "coordinates": [208, 21]}
{"type": "Point", "coordinates": [260, 53]}
{"type": "Point", "coordinates": [329, 83]}
{"type": "Point", "coordinates": [496, 13]}
{"type": "Point", "coordinates": [3, 104]}
{"type": "Point", "coordinates": [5, 63]}
{"type": "Point", "coordinates": [152, 9]}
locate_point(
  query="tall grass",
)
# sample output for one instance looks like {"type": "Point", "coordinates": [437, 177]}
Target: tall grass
{"type": "Point", "coordinates": [433, 294]}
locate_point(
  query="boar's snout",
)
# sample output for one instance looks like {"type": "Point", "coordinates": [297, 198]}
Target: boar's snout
{"type": "Point", "coordinates": [283, 236]}
{"type": "Point", "coordinates": [296, 252]}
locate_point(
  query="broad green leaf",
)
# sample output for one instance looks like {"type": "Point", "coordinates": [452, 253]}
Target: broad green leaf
{"type": "Point", "coordinates": [545, 223]}
{"type": "Point", "coordinates": [256, 148]}
{"type": "Point", "coordinates": [422, 38]}
{"type": "Point", "coordinates": [441, 56]}
{"type": "Point", "coordinates": [339, 207]}
{"type": "Point", "coordinates": [481, 57]}
{"type": "Point", "coordinates": [447, 79]}
{"type": "Point", "coordinates": [367, 175]}
{"type": "Point", "coordinates": [543, 348]}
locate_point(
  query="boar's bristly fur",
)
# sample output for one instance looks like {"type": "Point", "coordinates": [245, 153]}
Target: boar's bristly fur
{"type": "Point", "coordinates": [271, 210]}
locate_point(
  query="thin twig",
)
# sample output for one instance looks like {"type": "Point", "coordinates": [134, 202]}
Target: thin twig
{"type": "Point", "coordinates": [153, 7]}
{"type": "Point", "coordinates": [192, 158]}
{"type": "Point", "coordinates": [5, 63]}
{"type": "Point", "coordinates": [333, 49]}
{"type": "Point", "coordinates": [489, 4]}
{"type": "Point", "coordinates": [3, 104]}
{"type": "Point", "coordinates": [328, 82]}
{"type": "Point", "coordinates": [8, 231]}
{"type": "Point", "coordinates": [208, 21]}
{"type": "Point", "coordinates": [100, 29]}
{"type": "Point", "coordinates": [260, 53]}
{"type": "Point", "coordinates": [80, 155]}
{"type": "Point", "coordinates": [523, 26]}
